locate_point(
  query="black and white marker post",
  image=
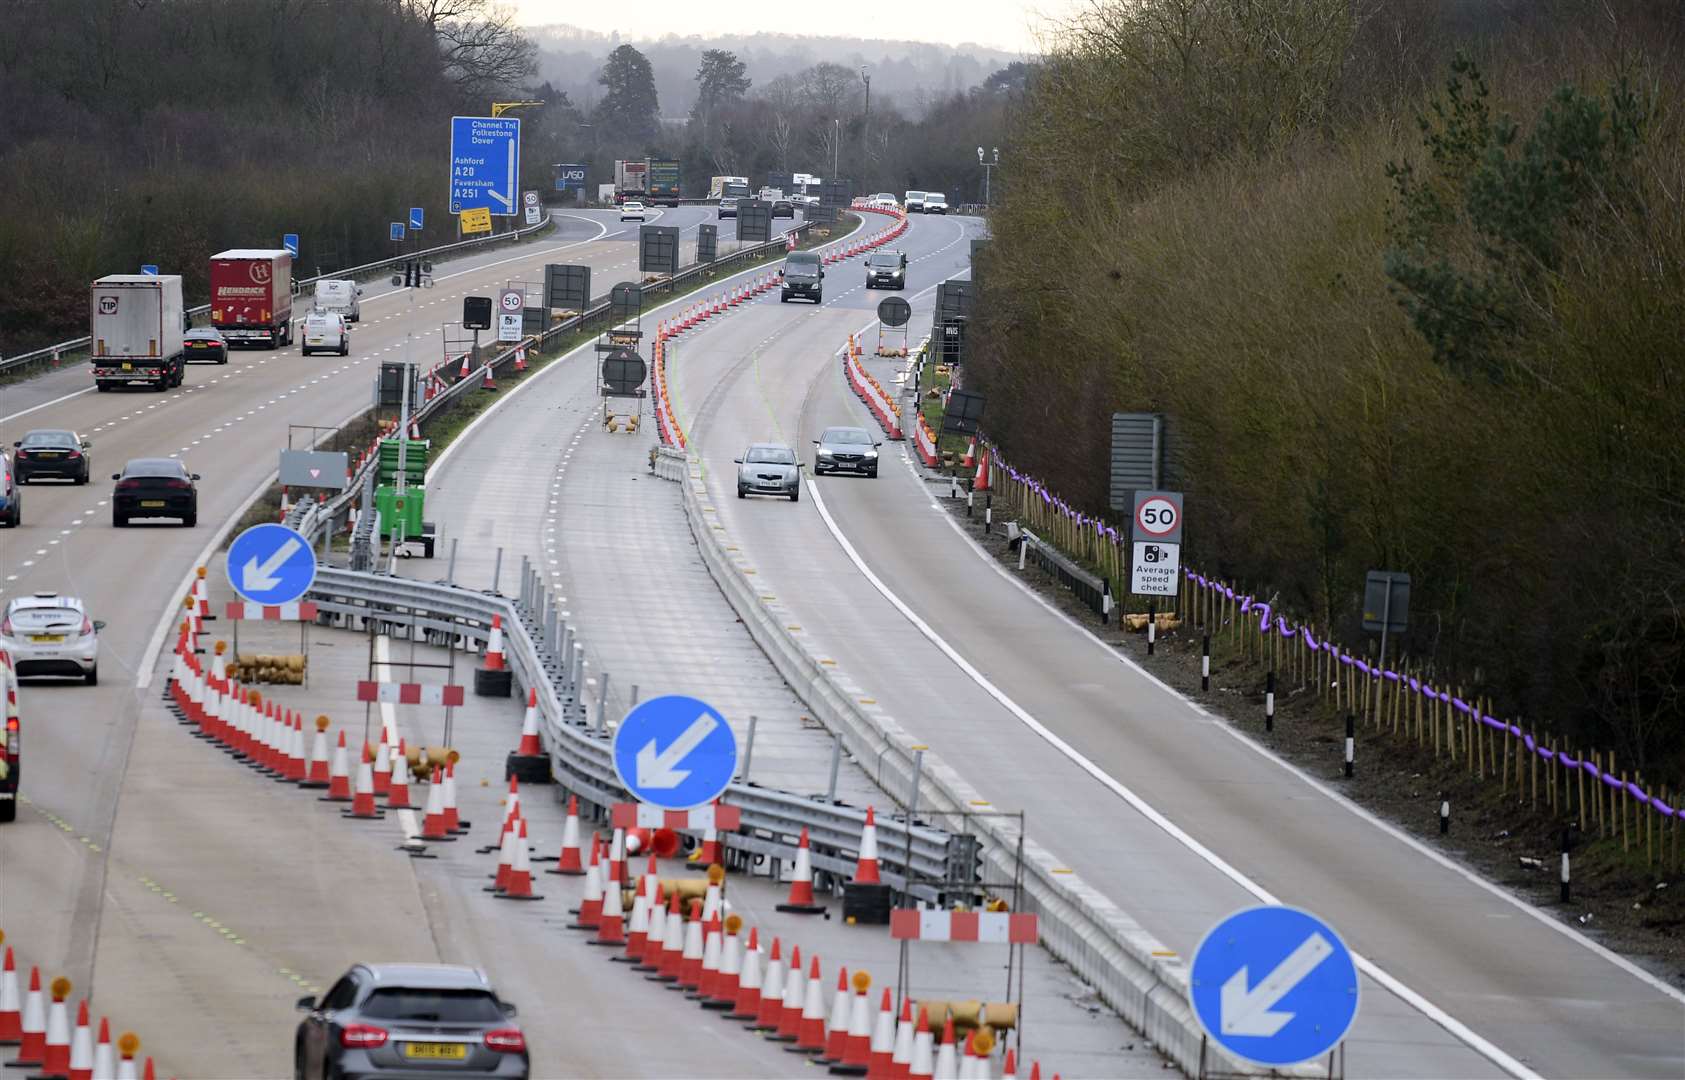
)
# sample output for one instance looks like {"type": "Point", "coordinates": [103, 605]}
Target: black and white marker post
{"type": "Point", "coordinates": [1444, 816]}
{"type": "Point", "coordinates": [1205, 663]}
{"type": "Point", "coordinates": [1152, 627]}
{"type": "Point", "coordinates": [988, 512]}
{"type": "Point", "coordinates": [1567, 842]}
{"type": "Point", "coordinates": [1351, 741]}
{"type": "Point", "coordinates": [1269, 701]}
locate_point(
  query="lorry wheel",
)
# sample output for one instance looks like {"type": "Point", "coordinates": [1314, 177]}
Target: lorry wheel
{"type": "Point", "coordinates": [102, 387]}
{"type": "Point", "coordinates": [9, 810]}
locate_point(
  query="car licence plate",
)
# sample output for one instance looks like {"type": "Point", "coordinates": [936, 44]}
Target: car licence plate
{"type": "Point", "coordinates": [46, 639]}
{"type": "Point", "coordinates": [437, 1051]}
{"type": "Point", "coordinates": [48, 457]}
{"type": "Point", "coordinates": [152, 502]}
{"type": "Point", "coordinates": [128, 367]}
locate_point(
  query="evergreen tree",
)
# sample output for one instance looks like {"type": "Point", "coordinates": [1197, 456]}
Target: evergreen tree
{"type": "Point", "coordinates": [629, 111]}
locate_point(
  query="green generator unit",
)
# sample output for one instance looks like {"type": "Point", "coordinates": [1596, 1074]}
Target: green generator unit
{"type": "Point", "coordinates": [415, 453]}
{"type": "Point", "coordinates": [400, 513]}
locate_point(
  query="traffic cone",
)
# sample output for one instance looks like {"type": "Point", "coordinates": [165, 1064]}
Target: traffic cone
{"type": "Point", "coordinates": [11, 1014]}
{"type": "Point", "coordinates": [649, 959]}
{"type": "Point", "coordinates": [695, 950]}
{"type": "Point", "coordinates": [970, 457]}
{"type": "Point", "coordinates": [969, 1060]}
{"type": "Point", "coordinates": [55, 1051]}
{"type": "Point", "coordinates": [713, 950]}
{"type": "Point", "coordinates": [747, 1004]}
{"type": "Point", "coordinates": [922, 1062]}
{"type": "Point", "coordinates": [857, 1043]}
{"type": "Point", "coordinates": [801, 882]}
{"type": "Point", "coordinates": [511, 811]}
{"type": "Point", "coordinates": [362, 800]}
{"type": "Point", "coordinates": [494, 652]}
{"type": "Point", "coordinates": [569, 862]}
{"type": "Point", "coordinates": [398, 787]}
{"type": "Point", "coordinates": [810, 1037]}
{"type": "Point", "coordinates": [980, 482]}
{"type": "Point", "coordinates": [317, 774]}
{"type": "Point", "coordinates": [836, 1031]}
{"type": "Point", "coordinates": [1035, 1070]}
{"type": "Point", "coordinates": [879, 1065]}
{"type": "Point", "coordinates": [771, 1006]}
{"type": "Point", "coordinates": [32, 1041]}
{"type": "Point", "coordinates": [713, 899]}
{"type": "Point", "coordinates": [1010, 1070]}
{"type": "Point", "coordinates": [710, 852]}
{"type": "Point", "coordinates": [866, 870]}
{"type": "Point", "coordinates": [82, 1046]}
{"type": "Point", "coordinates": [433, 825]}
{"type": "Point", "coordinates": [339, 778]}
{"type": "Point", "coordinates": [462, 372]}
{"type": "Point", "coordinates": [650, 883]}
{"type": "Point", "coordinates": [520, 358]}
{"type": "Point", "coordinates": [453, 820]}
{"type": "Point", "coordinates": [727, 982]}
{"type": "Point", "coordinates": [297, 766]}
{"type": "Point", "coordinates": [105, 1060]}
{"type": "Point", "coordinates": [530, 746]}
{"type": "Point", "coordinates": [789, 1008]}
{"type": "Point", "coordinates": [947, 1057]}
{"type": "Point", "coordinates": [519, 886]}
{"type": "Point", "coordinates": [128, 1045]}
{"type": "Point", "coordinates": [591, 905]}
{"type": "Point", "coordinates": [382, 765]}
{"type": "Point", "coordinates": [901, 1059]}
{"type": "Point", "coordinates": [488, 381]}
{"type": "Point", "coordinates": [616, 858]}
{"type": "Point", "coordinates": [637, 929]}
{"type": "Point", "coordinates": [505, 858]}
{"type": "Point", "coordinates": [671, 961]}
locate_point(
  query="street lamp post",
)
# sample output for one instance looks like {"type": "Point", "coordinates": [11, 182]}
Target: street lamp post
{"type": "Point", "coordinates": [988, 167]}
{"type": "Point", "coordinates": [865, 124]}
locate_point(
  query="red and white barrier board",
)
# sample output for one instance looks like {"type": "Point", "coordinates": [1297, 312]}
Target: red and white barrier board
{"type": "Point", "coordinates": [643, 816]}
{"type": "Point", "coordinates": [999, 927]}
{"type": "Point", "coordinates": [239, 609]}
{"type": "Point", "coordinates": [409, 693]}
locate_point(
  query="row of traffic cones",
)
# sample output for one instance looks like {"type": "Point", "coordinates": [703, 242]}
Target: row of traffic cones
{"type": "Point", "coordinates": [46, 1040]}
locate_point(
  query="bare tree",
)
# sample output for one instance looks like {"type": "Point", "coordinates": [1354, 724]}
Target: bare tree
{"type": "Point", "coordinates": [480, 45]}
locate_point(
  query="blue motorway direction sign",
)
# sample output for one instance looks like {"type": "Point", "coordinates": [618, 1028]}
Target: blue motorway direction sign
{"type": "Point", "coordinates": [271, 564]}
{"type": "Point", "coordinates": [397, 230]}
{"type": "Point", "coordinates": [1274, 985]}
{"type": "Point", "coordinates": [417, 215]}
{"type": "Point", "coordinates": [570, 177]}
{"type": "Point", "coordinates": [290, 242]}
{"type": "Point", "coordinates": [149, 268]}
{"type": "Point", "coordinates": [675, 752]}
{"type": "Point", "coordinates": [485, 164]}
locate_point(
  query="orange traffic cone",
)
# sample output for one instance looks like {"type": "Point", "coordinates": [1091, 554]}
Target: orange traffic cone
{"type": "Point", "coordinates": [11, 1015]}
{"type": "Point", "coordinates": [105, 1059]}
{"type": "Point", "coordinates": [810, 1039]}
{"type": "Point", "coordinates": [690, 961]}
{"type": "Point", "coordinates": [901, 1058]}
{"type": "Point", "coordinates": [922, 1060]}
{"type": "Point", "coordinates": [362, 800]}
{"type": "Point", "coordinates": [970, 457]}
{"type": "Point", "coordinates": [836, 1031]}
{"type": "Point", "coordinates": [947, 1055]}
{"type": "Point", "coordinates": [611, 928]}
{"type": "Point", "coordinates": [520, 358]}
{"type": "Point", "coordinates": [462, 372]}
{"type": "Point", "coordinates": [670, 962]}
{"type": "Point", "coordinates": [568, 862]}
{"type": "Point", "coordinates": [453, 820]}
{"type": "Point", "coordinates": [801, 882]}
{"type": "Point", "coordinates": [55, 1051]}
{"type": "Point", "coordinates": [505, 857]}
{"type": "Point", "coordinates": [494, 646]}
{"type": "Point", "coordinates": [433, 826]}
{"type": "Point", "coordinates": [980, 482]}
{"type": "Point", "coordinates": [339, 777]}
{"type": "Point", "coordinates": [591, 907]}
{"type": "Point", "coordinates": [382, 768]}
{"type": "Point", "coordinates": [398, 788]}
{"type": "Point", "coordinates": [771, 991]}
{"type": "Point", "coordinates": [857, 1044]}
{"type": "Point", "coordinates": [530, 746]}
{"type": "Point", "coordinates": [317, 774]}
{"type": "Point", "coordinates": [82, 1046]}
{"type": "Point", "coordinates": [32, 1044]}
{"type": "Point", "coordinates": [866, 870]}
{"type": "Point", "coordinates": [713, 950]}
{"type": "Point", "coordinates": [649, 959]}
{"type": "Point", "coordinates": [880, 1064]}
{"type": "Point", "coordinates": [746, 1004]}
{"type": "Point", "coordinates": [520, 872]}
{"type": "Point", "coordinates": [795, 998]}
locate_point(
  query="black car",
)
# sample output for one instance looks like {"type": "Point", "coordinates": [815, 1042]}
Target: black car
{"type": "Point", "coordinates": [783, 208]}
{"type": "Point", "coordinates": [886, 269]}
{"type": "Point", "coordinates": [52, 452]}
{"type": "Point", "coordinates": [155, 488]}
{"type": "Point", "coordinates": [409, 1019]}
{"type": "Point", "coordinates": [204, 343]}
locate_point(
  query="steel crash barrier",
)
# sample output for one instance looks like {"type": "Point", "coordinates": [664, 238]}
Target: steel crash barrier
{"type": "Point", "coordinates": [917, 859]}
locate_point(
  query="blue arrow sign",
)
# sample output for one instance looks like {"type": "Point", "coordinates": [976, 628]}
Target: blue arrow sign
{"type": "Point", "coordinates": [675, 752]}
{"type": "Point", "coordinates": [290, 242]}
{"type": "Point", "coordinates": [485, 164]}
{"type": "Point", "coordinates": [397, 230]}
{"type": "Point", "coordinates": [271, 564]}
{"type": "Point", "coordinates": [149, 268]}
{"type": "Point", "coordinates": [1274, 985]}
{"type": "Point", "coordinates": [417, 216]}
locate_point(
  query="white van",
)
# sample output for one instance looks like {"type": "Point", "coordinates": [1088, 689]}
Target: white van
{"type": "Point", "coordinates": [339, 296]}
{"type": "Point", "coordinates": [325, 331]}
{"type": "Point", "coordinates": [935, 203]}
{"type": "Point", "coordinates": [914, 202]}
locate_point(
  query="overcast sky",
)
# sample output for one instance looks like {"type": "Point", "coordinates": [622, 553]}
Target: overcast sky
{"type": "Point", "coordinates": [1002, 24]}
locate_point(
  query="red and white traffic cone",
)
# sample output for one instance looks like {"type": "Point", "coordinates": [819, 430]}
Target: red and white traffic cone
{"type": "Point", "coordinates": [771, 1005]}
{"type": "Point", "coordinates": [947, 1054]}
{"type": "Point", "coordinates": [1009, 1071]}
{"type": "Point", "coordinates": [836, 1031]}
{"type": "Point", "coordinates": [398, 788]}
{"type": "Point", "coordinates": [339, 776]}
{"type": "Point", "coordinates": [32, 1039]}
{"type": "Point", "coordinates": [801, 882]}
{"type": "Point", "coordinates": [453, 819]}
{"type": "Point", "coordinates": [382, 767]}
{"type": "Point", "coordinates": [970, 457]}
{"type": "Point", "coordinates": [789, 1027]}
{"type": "Point", "coordinates": [462, 372]}
{"type": "Point", "coordinates": [55, 1051]}
{"type": "Point", "coordinates": [923, 1061]}
{"type": "Point", "coordinates": [980, 482]}
{"type": "Point", "coordinates": [511, 811]}
{"type": "Point", "coordinates": [520, 358]}
{"type": "Point", "coordinates": [362, 800]}
{"type": "Point", "coordinates": [729, 979]}
{"type": "Point", "coordinates": [105, 1058]}
{"type": "Point", "coordinates": [11, 1009]}
{"type": "Point", "coordinates": [649, 957]}
{"type": "Point", "coordinates": [810, 1038]}
{"type": "Point", "coordinates": [857, 1045]}
{"type": "Point", "coordinates": [569, 862]}
{"type": "Point", "coordinates": [617, 859]}
{"type": "Point", "coordinates": [488, 380]}
{"type": "Point", "coordinates": [670, 962]}
{"type": "Point", "coordinates": [690, 960]}
{"type": "Point", "coordinates": [901, 1059]}
{"type": "Point", "coordinates": [494, 651]}
{"type": "Point", "coordinates": [866, 869]}
{"type": "Point", "coordinates": [880, 1064]}
{"type": "Point", "coordinates": [433, 826]}
{"type": "Point", "coordinates": [713, 950]}
{"type": "Point", "coordinates": [637, 929]}
{"type": "Point", "coordinates": [529, 747]}
{"type": "Point", "coordinates": [710, 851]}
{"type": "Point", "coordinates": [82, 1046]}
{"type": "Point", "coordinates": [591, 906]}
{"type": "Point", "coordinates": [746, 1005]}
{"type": "Point", "coordinates": [519, 886]}
{"type": "Point", "coordinates": [505, 857]}
{"type": "Point", "coordinates": [317, 774]}
{"type": "Point", "coordinates": [297, 767]}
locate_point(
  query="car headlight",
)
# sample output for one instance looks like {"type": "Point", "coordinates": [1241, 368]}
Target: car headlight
{"type": "Point", "coordinates": [871, 453]}
{"type": "Point", "coordinates": [824, 453]}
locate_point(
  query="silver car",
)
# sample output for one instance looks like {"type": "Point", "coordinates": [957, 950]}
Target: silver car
{"type": "Point", "coordinates": [769, 469]}
{"type": "Point", "coordinates": [845, 449]}
{"type": "Point", "coordinates": [409, 1020]}
{"type": "Point", "coordinates": [49, 634]}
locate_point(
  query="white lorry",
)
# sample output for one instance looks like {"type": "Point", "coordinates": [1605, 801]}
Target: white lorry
{"type": "Point", "coordinates": [135, 323]}
{"type": "Point", "coordinates": [339, 297]}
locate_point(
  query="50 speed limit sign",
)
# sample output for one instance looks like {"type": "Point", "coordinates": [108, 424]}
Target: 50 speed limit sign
{"type": "Point", "coordinates": [1158, 517]}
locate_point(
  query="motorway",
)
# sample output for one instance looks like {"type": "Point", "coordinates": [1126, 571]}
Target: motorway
{"type": "Point", "coordinates": [1151, 800]}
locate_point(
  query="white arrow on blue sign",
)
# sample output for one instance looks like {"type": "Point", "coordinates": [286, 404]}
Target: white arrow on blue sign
{"type": "Point", "coordinates": [271, 564]}
{"type": "Point", "coordinates": [485, 163]}
{"type": "Point", "coordinates": [417, 216]}
{"type": "Point", "coordinates": [149, 268]}
{"type": "Point", "coordinates": [1274, 985]}
{"type": "Point", "coordinates": [290, 242]}
{"type": "Point", "coordinates": [397, 230]}
{"type": "Point", "coordinates": [675, 752]}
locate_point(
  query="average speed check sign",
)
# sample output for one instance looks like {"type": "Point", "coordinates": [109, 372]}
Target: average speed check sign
{"type": "Point", "coordinates": [510, 304]}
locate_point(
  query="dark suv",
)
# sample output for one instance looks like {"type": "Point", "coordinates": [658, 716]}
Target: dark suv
{"type": "Point", "coordinates": [155, 488]}
{"type": "Point", "coordinates": [886, 270]}
{"type": "Point", "coordinates": [408, 1019]}
{"type": "Point", "coordinates": [803, 277]}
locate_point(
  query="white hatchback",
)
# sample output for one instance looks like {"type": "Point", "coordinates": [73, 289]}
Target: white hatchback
{"type": "Point", "coordinates": [325, 331]}
{"type": "Point", "coordinates": [49, 634]}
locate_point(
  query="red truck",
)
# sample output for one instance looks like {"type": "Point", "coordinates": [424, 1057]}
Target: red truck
{"type": "Point", "coordinates": [252, 296]}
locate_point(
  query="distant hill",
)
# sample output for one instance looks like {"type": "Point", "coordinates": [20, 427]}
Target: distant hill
{"type": "Point", "coordinates": [909, 73]}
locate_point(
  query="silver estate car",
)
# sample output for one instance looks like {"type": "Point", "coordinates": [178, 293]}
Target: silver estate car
{"type": "Point", "coordinates": [408, 1020]}
{"type": "Point", "coordinates": [845, 449]}
{"type": "Point", "coordinates": [769, 469]}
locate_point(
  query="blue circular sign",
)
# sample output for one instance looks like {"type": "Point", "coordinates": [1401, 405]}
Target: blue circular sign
{"type": "Point", "coordinates": [675, 752]}
{"type": "Point", "coordinates": [271, 564]}
{"type": "Point", "coordinates": [1274, 985]}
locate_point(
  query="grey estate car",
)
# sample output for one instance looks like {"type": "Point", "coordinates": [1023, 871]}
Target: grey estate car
{"type": "Point", "coordinates": [845, 449]}
{"type": "Point", "coordinates": [406, 1020]}
{"type": "Point", "coordinates": [769, 469]}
